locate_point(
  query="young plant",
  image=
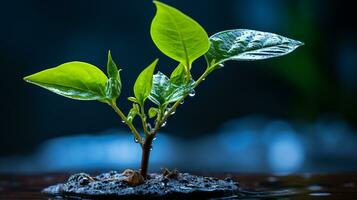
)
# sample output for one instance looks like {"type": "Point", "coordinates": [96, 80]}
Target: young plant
{"type": "Point", "coordinates": [179, 37]}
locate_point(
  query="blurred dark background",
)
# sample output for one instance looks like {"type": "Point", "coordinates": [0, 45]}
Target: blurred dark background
{"type": "Point", "coordinates": [309, 95]}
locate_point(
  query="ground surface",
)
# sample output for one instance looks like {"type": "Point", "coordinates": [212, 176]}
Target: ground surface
{"type": "Point", "coordinates": [304, 186]}
{"type": "Point", "coordinates": [130, 184]}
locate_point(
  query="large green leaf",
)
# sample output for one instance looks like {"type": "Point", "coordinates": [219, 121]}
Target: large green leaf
{"type": "Point", "coordinates": [76, 80]}
{"type": "Point", "coordinates": [164, 92]}
{"type": "Point", "coordinates": [244, 44]}
{"type": "Point", "coordinates": [177, 35]}
{"type": "Point", "coordinates": [143, 83]}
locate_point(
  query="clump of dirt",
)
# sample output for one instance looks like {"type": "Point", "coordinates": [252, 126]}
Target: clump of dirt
{"type": "Point", "coordinates": [130, 184]}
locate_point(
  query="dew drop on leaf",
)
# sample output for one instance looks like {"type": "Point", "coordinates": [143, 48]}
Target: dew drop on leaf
{"type": "Point", "coordinates": [173, 112]}
{"type": "Point", "coordinates": [221, 65]}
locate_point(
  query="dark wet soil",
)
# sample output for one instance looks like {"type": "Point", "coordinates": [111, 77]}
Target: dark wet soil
{"type": "Point", "coordinates": [254, 186]}
{"type": "Point", "coordinates": [126, 185]}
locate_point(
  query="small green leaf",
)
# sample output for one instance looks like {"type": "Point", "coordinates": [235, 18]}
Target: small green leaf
{"type": "Point", "coordinates": [153, 112]}
{"type": "Point", "coordinates": [244, 44]}
{"type": "Point", "coordinates": [76, 80]}
{"type": "Point", "coordinates": [112, 68]}
{"type": "Point", "coordinates": [177, 35]}
{"type": "Point", "coordinates": [178, 76]}
{"type": "Point", "coordinates": [164, 92]}
{"type": "Point", "coordinates": [135, 110]}
{"type": "Point", "coordinates": [143, 83]}
{"type": "Point", "coordinates": [133, 99]}
{"type": "Point", "coordinates": [113, 85]}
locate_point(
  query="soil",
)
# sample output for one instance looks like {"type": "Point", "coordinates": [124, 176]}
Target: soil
{"type": "Point", "coordinates": [130, 184]}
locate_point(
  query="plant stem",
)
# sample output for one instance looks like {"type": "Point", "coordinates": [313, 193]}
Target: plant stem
{"type": "Point", "coordinates": [143, 120]}
{"type": "Point", "coordinates": [127, 122]}
{"type": "Point", "coordinates": [161, 118]}
{"type": "Point", "coordinates": [145, 154]}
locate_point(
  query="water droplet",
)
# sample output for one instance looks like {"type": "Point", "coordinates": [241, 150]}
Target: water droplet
{"type": "Point", "coordinates": [221, 65]}
{"type": "Point", "coordinates": [154, 139]}
{"type": "Point", "coordinates": [192, 93]}
{"type": "Point", "coordinates": [151, 148]}
{"type": "Point", "coordinates": [203, 79]}
{"type": "Point", "coordinates": [163, 124]}
{"type": "Point", "coordinates": [136, 140]}
{"type": "Point", "coordinates": [173, 112]}
{"type": "Point", "coordinates": [123, 121]}
{"type": "Point", "coordinates": [182, 102]}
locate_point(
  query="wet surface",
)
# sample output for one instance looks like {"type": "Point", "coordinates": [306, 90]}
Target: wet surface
{"type": "Point", "coordinates": [256, 186]}
{"type": "Point", "coordinates": [131, 185]}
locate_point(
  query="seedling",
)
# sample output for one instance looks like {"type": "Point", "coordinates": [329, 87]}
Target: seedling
{"type": "Point", "coordinates": [179, 37]}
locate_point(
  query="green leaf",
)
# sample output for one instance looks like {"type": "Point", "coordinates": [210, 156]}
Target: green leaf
{"type": "Point", "coordinates": [135, 110]}
{"type": "Point", "coordinates": [178, 76]}
{"type": "Point", "coordinates": [164, 92]}
{"type": "Point", "coordinates": [143, 83]}
{"type": "Point", "coordinates": [112, 68]}
{"type": "Point", "coordinates": [244, 44]}
{"type": "Point", "coordinates": [133, 99]}
{"type": "Point", "coordinates": [76, 80]}
{"type": "Point", "coordinates": [153, 112]}
{"type": "Point", "coordinates": [113, 85]}
{"type": "Point", "coordinates": [177, 35]}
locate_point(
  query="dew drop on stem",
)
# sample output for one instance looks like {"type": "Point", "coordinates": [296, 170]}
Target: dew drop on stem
{"type": "Point", "coordinates": [136, 140]}
{"type": "Point", "coordinates": [182, 102]}
{"type": "Point", "coordinates": [167, 110]}
{"type": "Point", "coordinates": [154, 139]}
{"type": "Point", "coordinates": [192, 93]}
{"type": "Point", "coordinates": [123, 121]}
{"type": "Point", "coordinates": [221, 65]}
{"type": "Point", "coordinates": [163, 124]}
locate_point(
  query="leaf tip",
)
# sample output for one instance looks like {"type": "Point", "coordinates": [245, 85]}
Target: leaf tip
{"type": "Point", "coordinates": [109, 56]}
{"type": "Point", "coordinates": [156, 60]}
{"type": "Point", "coordinates": [156, 2]}
{"type": "Point", "coordinates": [28, 78]}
